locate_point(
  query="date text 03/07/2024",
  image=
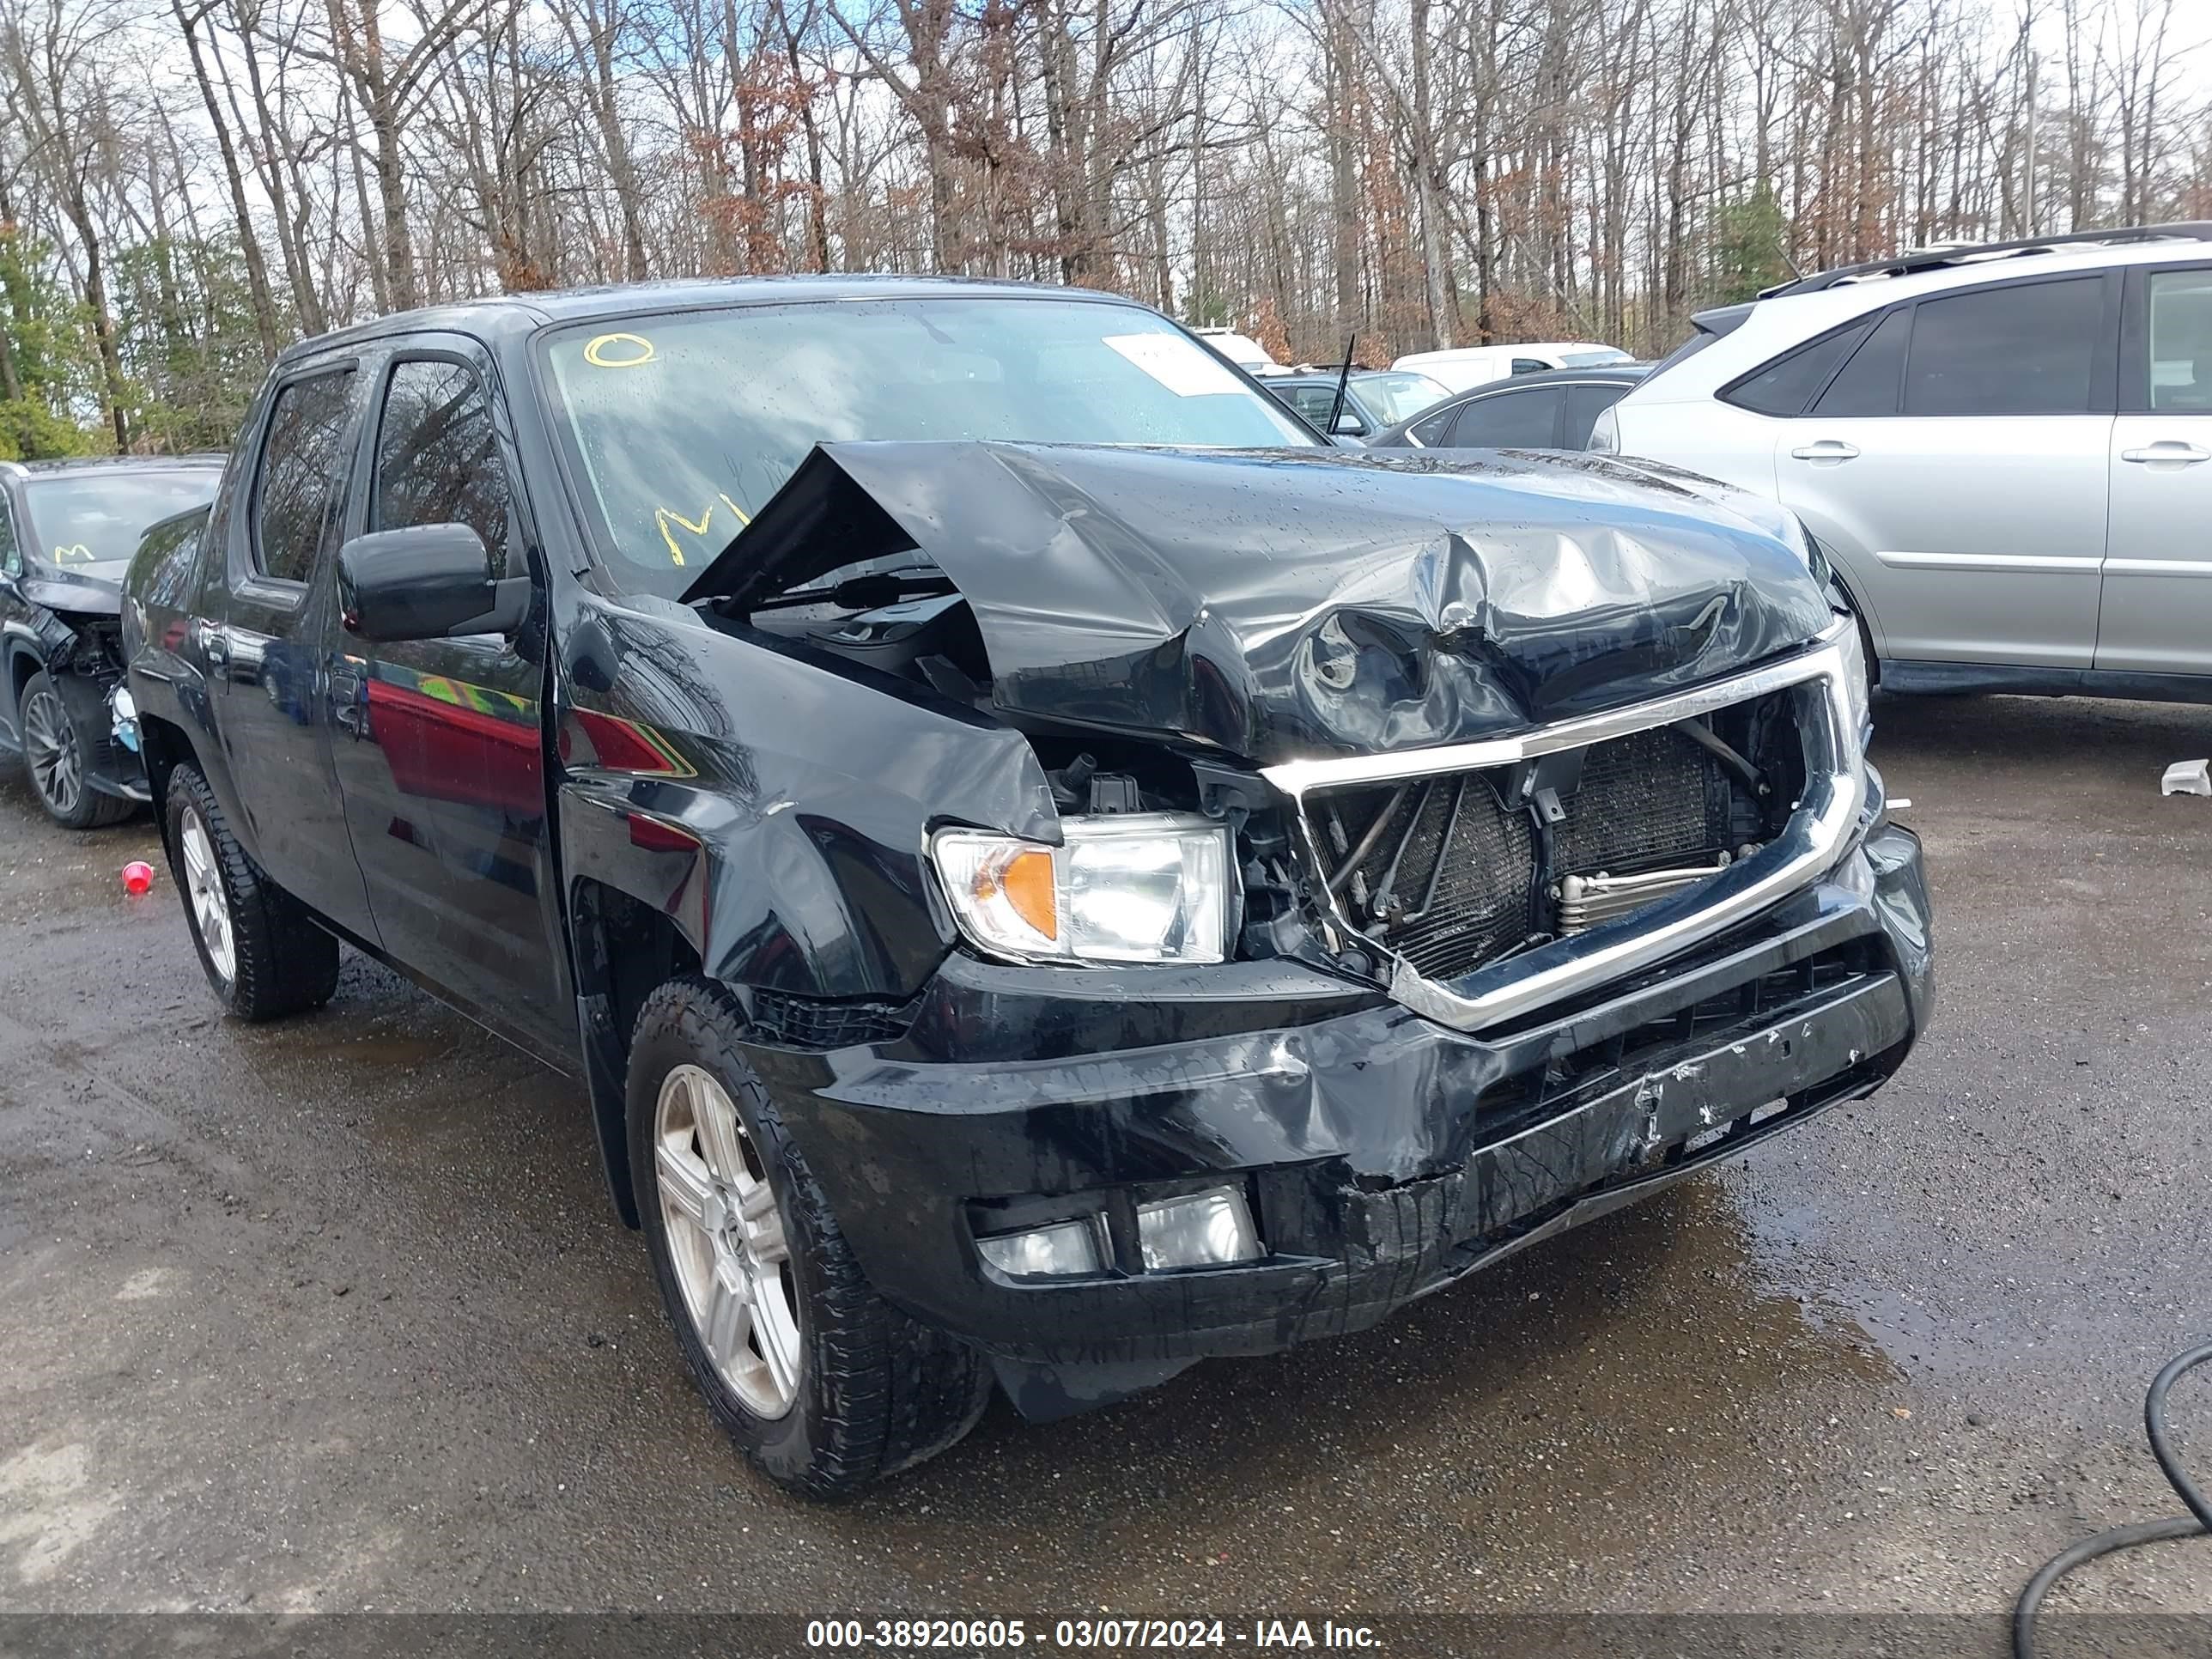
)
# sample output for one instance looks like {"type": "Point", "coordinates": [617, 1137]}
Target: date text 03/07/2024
{"type": "Point", "coordinates": [896, 1635]}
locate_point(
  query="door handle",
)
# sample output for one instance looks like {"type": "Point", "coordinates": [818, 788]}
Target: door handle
{"type": "Point", "coordinates": [214, 641]}
{"type": "Point", "coordinates": [345, 706]}
{"type": "Point", "coordinates": [1828, 449]}
{"type": "Point", "coordinates": [2173, 451]}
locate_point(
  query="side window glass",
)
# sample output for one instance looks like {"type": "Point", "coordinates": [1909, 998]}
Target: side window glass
{"type": "Point", "coordinates": [1867, 385]}
{"type": "Point", "coordinates": [1434, 432]}
{"type": "Point", "coordinates": [1785, 386]}
{"type": "Point", "coordinates": [11, 555]}
{"type": "Point", "coordinates": [437, 460]}
{"type": "Point", "coordinates": [1584, 404]}
{"type": "Point", "coordinates": [2181, 340]}
{"type": "Point", "coordinates": [1528, 366]}
{"type": "Point", "coordinates": [1518, 420]}
{"type": "Point", "coordinates": [2024, 350]}
{"type": "Point", "coordinates": [302, 477]}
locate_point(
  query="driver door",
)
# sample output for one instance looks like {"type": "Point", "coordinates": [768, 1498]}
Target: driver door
{"type": "Point", "coordinates": [439, 744]}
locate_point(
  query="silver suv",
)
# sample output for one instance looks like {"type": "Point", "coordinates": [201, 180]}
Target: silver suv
{"type": "Point", "coordinates": [2001, 450]}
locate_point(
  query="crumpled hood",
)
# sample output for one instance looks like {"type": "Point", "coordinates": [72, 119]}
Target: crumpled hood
{"type": "Point", "coordinates": [1285, 605]}
{"type": "Point", "coordinates": [91, 590]}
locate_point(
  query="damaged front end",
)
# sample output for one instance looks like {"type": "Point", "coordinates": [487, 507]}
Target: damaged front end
{"type": "Point", "coordinates": [1440, 856]}
{"type": "Point", "coordinates": [84, 661]}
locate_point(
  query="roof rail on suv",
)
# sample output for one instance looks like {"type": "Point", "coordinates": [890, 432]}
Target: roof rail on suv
{"type": "Point", "coordinates": [1936, 258]}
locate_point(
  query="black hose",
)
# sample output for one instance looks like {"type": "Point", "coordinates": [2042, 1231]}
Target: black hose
{"type": "Point", "coordinates": [2195, 1524]}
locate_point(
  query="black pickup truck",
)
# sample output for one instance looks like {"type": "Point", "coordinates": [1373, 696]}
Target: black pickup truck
{"type": "Point", "coordinates": [1048, 869]}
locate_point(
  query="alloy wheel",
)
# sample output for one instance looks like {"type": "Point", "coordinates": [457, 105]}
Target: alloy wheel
{"type": "Point", "coordinates": [49, 740]}
{"type": "Point", "coordinates": [726, 1240]}
{"type": "Point", "coordinates": [210, 903]}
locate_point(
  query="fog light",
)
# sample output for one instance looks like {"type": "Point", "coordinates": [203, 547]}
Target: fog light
{"type": "Point", "coordinates": [1199, 1230]}
{"type": "Point", "coordinates": [1059, 1251]}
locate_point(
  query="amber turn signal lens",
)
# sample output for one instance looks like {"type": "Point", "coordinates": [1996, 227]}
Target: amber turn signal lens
{"type": "Point", "coordinates": [1026, 881]}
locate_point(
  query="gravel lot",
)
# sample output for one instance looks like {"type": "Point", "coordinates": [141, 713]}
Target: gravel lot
{"type": "Point", "coordinates": [333, 1315]}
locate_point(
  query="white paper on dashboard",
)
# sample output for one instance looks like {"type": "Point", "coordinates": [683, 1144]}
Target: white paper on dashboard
{"type": "Point", "coordinates": [1184, 368]}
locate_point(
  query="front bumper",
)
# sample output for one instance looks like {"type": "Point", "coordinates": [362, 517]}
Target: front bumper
{"type": "Point", "coordinates": [1384, 1155]}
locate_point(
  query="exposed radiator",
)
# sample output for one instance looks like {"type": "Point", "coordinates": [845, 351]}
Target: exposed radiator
{"type": "Point", "coordinates": [1454, 871]}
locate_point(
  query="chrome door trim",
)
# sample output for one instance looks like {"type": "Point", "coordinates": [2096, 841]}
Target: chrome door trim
{"type": "Point", "coordinates": [2028, 564]}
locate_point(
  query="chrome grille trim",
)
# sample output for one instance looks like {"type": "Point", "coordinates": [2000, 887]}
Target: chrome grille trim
{"type": "Point", "coordinates": [1817, 834]}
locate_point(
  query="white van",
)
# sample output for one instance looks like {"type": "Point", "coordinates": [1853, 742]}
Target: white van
{"type": "Point", "coordinates": [1472, 366]}
{"type": "Point", "coordinates": [1240, 348]}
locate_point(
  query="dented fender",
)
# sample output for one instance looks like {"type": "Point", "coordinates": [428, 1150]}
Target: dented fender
{"type": "Point", "coordinates": [776, 810]}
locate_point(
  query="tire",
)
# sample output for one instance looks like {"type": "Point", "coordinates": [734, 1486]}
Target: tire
{"type": "Point", "coordinates": [54, 759]}
{"type": "Point", "coordinates": [864, 1391]}
{"type": "Point", "coordinates": [264, 956]}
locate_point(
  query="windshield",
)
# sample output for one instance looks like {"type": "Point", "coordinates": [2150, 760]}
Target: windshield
{"type": "Point", "coordinates": [684, 424]}
{"type": "Point", "coordinates": [1595, 359]}
{"type": "Point", "coordinates": [97, 517]}
{"type": "Point", "coordinates": [1399, 395]}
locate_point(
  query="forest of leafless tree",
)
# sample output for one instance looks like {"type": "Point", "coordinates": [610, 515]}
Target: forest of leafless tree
{"type": "Point", "coordinates": [187, 184]}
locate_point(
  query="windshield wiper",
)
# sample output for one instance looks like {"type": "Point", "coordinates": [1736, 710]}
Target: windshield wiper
{"type": "Point", "coordinates": [865, 592]}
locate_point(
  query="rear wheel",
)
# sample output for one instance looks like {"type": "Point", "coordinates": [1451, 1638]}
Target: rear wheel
{"type": "Point", "coordinates": [264, 955]}
{"type": "Point", "coordinates": [54, 756]}
{"type": "Point", "coordinates": [823, 1383]}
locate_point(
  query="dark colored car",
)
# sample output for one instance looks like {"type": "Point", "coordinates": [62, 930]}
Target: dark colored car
{"type": "Point", "coordinates": [1047, 871]}
{"type": "Point", "coordinates": [67, 531]}
{"type": "Point", "coordinates": [1373, 397]}
{"type": "Point", "coordinates": [1553, 411]}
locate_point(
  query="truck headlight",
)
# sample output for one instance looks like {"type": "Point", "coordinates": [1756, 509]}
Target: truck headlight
{"type": "Point", "coordinates": [1122, 887]}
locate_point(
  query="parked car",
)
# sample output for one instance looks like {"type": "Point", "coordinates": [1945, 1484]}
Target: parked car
{"type": "Point", "coordinates": [1552, 410]}
{"type": "Point", "coordinates": [1028, 905]}
{"type": "Point", "coordinates": [1241, 349]}
{"type": "Point", "coordinates": [2001, 451]}
{"type": "Point", "coordinates": [1373, 397]}
{"type": "Point", "coordinates": [67, 530]}
{"type": "Point", "coordinates": [1464, 367]}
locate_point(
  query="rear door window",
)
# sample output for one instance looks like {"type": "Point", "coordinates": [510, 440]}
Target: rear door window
{"type": "Point", "coordinates": [1792, 380]}
{"type": "Point", "coordinates": [437, 455]}
{"type": "Point", "coordinates": [1517, 420]}
{"type": "Point", "coordinates": [302, 476]}
{"type": "Point", "coordinates": [2030, 348]}
{"type": "Point", "coordinates": [1434, 431]}
{"type": "Point", "coordinates": [1867, 384]}
{"type": "Point", "coordinates": [1584, 404]}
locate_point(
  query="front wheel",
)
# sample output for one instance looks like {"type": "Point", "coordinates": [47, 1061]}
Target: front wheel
{"type": "Point", "coordinates": [54, 756]}
{"type": "Point", "coordinates": [264, 955]}
{"type": "Point", "coordinates": [823, 1383]}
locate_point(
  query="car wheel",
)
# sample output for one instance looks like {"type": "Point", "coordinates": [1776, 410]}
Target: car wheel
{"type": "Point", "coordinates": [54, 756]}
{"type": "Point", "coordinates": [264, 954]}
{"type": "Point", "coordinates": [823, 1384]}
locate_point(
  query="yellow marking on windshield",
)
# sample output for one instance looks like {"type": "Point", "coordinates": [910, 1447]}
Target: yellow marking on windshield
{"type": "Point", "coordinates": [79, 553]}
{"type": "Point", "coordinates": [665, 516]}
{"type": "Point", "coordinates": [619, 351]}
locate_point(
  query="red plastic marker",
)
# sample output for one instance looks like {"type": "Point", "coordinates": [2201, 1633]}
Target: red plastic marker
{"type": "Point", "coordinates": [137, 877]}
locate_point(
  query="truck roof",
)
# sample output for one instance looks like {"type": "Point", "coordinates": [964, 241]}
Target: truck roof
{"type": "Point", "coordinates": [510, 314]}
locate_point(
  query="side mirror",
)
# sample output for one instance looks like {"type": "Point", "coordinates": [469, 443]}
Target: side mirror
{"type": "Point", "coordinates": [426, 582]}
{"type": "Point", "coordinates": [1349, 425]}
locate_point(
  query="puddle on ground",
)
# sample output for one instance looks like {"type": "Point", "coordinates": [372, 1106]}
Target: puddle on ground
{"type": "Point", "coordinates": [343, 1041]}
